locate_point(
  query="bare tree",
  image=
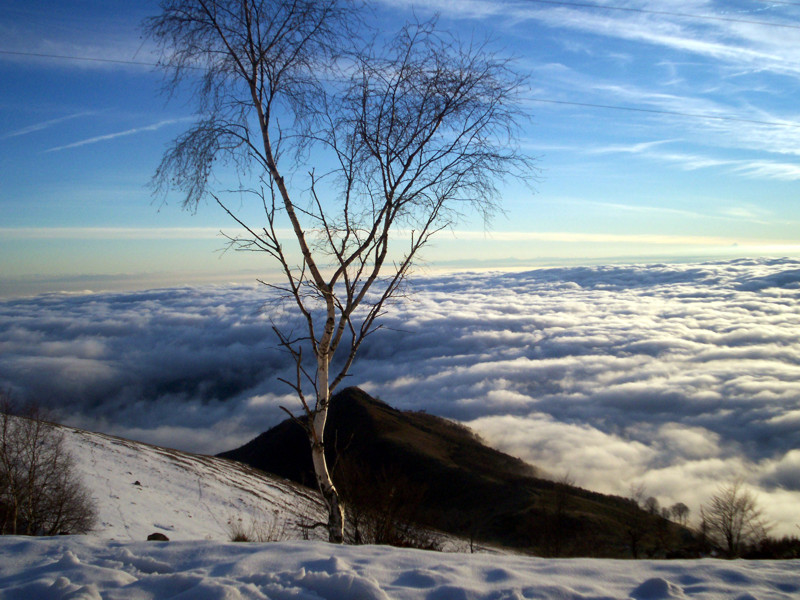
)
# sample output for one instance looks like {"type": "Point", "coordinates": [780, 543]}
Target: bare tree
{"type": "Point", "coordinates": [652, 506]}
{"type": "Point", "coordinates": [638, 494]}
{"type": "Point", "coordinates": [638, 527]}
{"type": "Point", "coordinates": [732, 518]}
{"type": "Point", "coordinates": [557, 506]}
{"type": "Point", "coordinates": [355, 149]}
{"type": "Point", "coordinates": [679, 512]}
{"type": "Point", "coordinates": [40, 493]}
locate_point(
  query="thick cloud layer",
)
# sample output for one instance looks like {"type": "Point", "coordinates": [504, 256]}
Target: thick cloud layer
{"type": "Point", "coordinates": [676, 377]}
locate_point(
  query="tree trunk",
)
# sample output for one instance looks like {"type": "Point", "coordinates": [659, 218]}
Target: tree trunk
{"type": "Point", "coordinates": [324, 481]}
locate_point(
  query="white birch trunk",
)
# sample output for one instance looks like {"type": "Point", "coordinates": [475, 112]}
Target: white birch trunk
{"type": "Point", "coordinates": [324, 481]}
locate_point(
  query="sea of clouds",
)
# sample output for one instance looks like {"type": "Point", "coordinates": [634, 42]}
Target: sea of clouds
{"type": "Point", "coordinates": [680, 378]}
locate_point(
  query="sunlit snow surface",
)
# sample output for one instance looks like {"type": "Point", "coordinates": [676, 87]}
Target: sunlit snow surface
{"type": "Point", "coordinates": [140, 489]}
{"type": "Point", "coordinates": [89, 569]}
{"type": "Point", "coordinates": [189, 497]}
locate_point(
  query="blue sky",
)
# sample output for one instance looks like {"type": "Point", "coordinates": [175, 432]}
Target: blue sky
{"type": "Point", "coordinates": [698, 158]}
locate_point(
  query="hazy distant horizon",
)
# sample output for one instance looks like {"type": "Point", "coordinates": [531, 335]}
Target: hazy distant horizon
{"type": "Point", "coordinates": [21, 286]}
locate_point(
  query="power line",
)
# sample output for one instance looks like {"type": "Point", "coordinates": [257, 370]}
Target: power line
{"type": "Point", "coordinates": [66, 57]}
{"type": "Point", "coordinates": [669, 112]}
{"type": "Point", "coordinates": [543, 100]}
{"type": "Point", "coordinates": [667, 13]}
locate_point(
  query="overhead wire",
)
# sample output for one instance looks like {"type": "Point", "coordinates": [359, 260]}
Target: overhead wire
{"type": "Point", "coordinates": [541, 100]}
{"type": "Point", "coordinates": [89, 58]}
{"type": "Point", "coordinates": [665, 13]}
{"type": "Point", "coordinates": [780, 2]}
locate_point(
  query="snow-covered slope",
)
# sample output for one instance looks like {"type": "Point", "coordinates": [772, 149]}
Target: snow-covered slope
{"type": "Point", "coordinates": [141, 489]}
{"type": "Point", "coordinates": [191, 498]}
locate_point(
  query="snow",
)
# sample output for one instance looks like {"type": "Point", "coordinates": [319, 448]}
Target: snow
{"type": "Point", "coordinates": [141, 489]}
{"type": "Point", "coordinates": [88, 568]}
{"type": "Point", "coordinates": [190, 498]}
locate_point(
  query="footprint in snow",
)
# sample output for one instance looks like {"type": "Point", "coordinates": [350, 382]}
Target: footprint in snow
{"type": "Point", "coordinates": [657, 589]}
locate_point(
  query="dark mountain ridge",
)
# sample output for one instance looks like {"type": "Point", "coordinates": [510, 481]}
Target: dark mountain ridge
{"type": "Point", "coordinates": [457, 483]}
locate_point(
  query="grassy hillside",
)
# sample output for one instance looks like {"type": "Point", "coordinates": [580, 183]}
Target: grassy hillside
{"type": "Point", "coordinates": [443, 476]}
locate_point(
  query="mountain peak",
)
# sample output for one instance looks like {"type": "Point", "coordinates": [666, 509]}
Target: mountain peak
{"type": "Point", "coordinates": [463, 486]}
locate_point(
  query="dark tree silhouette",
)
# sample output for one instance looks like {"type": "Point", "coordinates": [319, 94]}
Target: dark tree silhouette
{"type": "Point", "coordinates": [733, 519]}
{"type": "Point", "coordinates": [40, 493]}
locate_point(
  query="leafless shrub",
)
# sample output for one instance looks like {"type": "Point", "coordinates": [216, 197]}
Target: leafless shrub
{"type": "Point", "coordinates": [733, 519]}
{"type": "Point", "coordinates": [264, 528]}
{"type": "Point", "coordinates": [40, 493]}
{"type": "Point", "coordinates": [383, 507]}
{"type": "Point", "coordinates": [556, 505]}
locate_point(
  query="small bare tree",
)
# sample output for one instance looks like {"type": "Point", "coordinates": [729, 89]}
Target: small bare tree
{"type": "Point", "coordinates": [638, 527]}
{"type": "Point", "coordinates": [557, 506]}
{"type": "Point", "coordinates": [680, 512]}
{"type": "Point", "coordinates": [652, 506]}
{"type": "Point", "coordinates": [40, 493]}
{"type": "Point", "coordinates": [348, 150]}
{"type": "Point", "coordinates": [733, 519]}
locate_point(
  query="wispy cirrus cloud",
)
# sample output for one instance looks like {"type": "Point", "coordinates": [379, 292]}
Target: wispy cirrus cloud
{"type": "Point", "coordinates": [656, 150]}
{"type": "Point", "coordinates": [642, 208]}
{"type": "Point", "coordinates": [565, 236]}
{"type": "Point", "coordinates": [722, 41]}
{"type": "Point", "coordinates": [710, 120]}
{"type": "Point", "coordinates": [710, 67]}
{"type": "Point", "coordinates": [106, 233]}
{"type": "Point", "coordinates": [763, 43]}
{"type": "Point", "coordinates": [638, 148]}
{"type": "Point", "coordinates": [632, 94]}
{"type": "Point", "coordinates": [753, 168]}
{"type": "Point", "coordinates": [46, 124]}
{"type": "Point", "coordinates": [118, 134]}
{"type": "Point", "coordinates": [767, 169]}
